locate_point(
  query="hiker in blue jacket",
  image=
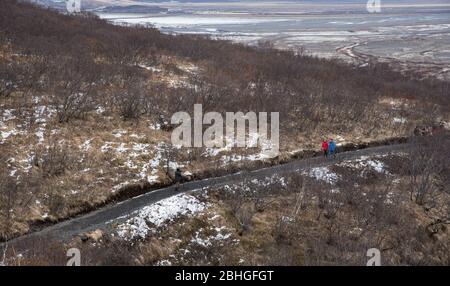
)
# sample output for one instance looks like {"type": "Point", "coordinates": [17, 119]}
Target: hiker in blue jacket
{"type": "Point", "coordinates": [331, 148]}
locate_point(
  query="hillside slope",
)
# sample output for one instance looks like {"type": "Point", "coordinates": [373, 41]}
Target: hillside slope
{"type": "Point", "coordinates": [84, 107]}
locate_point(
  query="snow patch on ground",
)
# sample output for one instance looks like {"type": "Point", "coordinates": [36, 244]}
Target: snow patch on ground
{"type": "Point", "coordinates": [86, 145]}
{"type": "Point", "coordinates": [6, 134]}
{"type": "Point", "coordinates": [154, 126]}
{"type": "Point", "coordinates": [158, 214]}
{"type": "Point", "coordinates": [275, 179]}
{"type": "Point", "coordinates": [119, 133]}
{"type": "Point", "coordinates": [322, 174]}
{"type": "Point", "coordinates": [400, 120]}
{"type": "Point", "coordinates": [40, 135]}
{"type": "Point", "coordinates": [365, 162]}
{"type": "Point", "coordinates": [8, 114]}
{"type": "Point", "coordinates": [150, 68]}
{"type": "Point", "coordinates": [220, 234]}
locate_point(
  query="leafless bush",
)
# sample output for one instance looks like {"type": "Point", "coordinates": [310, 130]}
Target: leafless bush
{"type": "Point", "coordinates": [241, 206]}
{"type": "Point", "coordinates": [234, 199]}
{"type": "Point", "coordinates": [8, 197]}
{"type": "Point", "coordinates": [54, 160]}
{"type": "Point", "coordinates": [428, 179]}
{"type": "Point", "coordinates": [171, 156]}
{"type": "Point", "coordinates": [39, 251]}
{"type": "Point", "coordinates": [303, 191]}
{"type": "Point", "coordinates": [244, 216]}
{"type": "Point", "coordinates": [55, 200]}
{"type": "Point", "coordinates": [427, 164]}
{"type": "Point", "coordinates": [261, 203]}
{"type": "Point", "coordinates": [8, 78]}
{"type": "Point", "coordinates": [15, 197]}
{"type": "Point", "coordinates": [329, 202]}
{"type": "Point", "coordinates": [130, 103]}
{"type": "Point", "coordinates": [283, 255]}
{"type": "Point", "coordinates": [111, 253]}
{"type": "Point", "coordinates": [284, 231]}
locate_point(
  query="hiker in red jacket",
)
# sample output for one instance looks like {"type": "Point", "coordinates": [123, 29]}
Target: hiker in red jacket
{"type": "Point", "coordinates": [325, 148]}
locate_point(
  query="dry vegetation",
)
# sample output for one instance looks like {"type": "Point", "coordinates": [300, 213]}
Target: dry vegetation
{"type": "Point", "coordinates": [84, 107]}
{"type": "Point", "coordinates": [298, 219]}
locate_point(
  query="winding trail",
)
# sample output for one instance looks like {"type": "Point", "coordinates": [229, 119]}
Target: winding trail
{"type": "Point", "coordinates": [104, 218]}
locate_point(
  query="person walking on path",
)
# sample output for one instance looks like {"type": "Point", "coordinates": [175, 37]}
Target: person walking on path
{"type": "Point", "coordinates": [178, 178]}
{"type": "Point", "coordinates": [331, 148]}
{"type": "Point", "coordinates": [325, 148]}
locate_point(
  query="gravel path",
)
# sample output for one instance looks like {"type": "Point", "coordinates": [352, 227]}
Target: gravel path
{"type": "Point", "coordinates": [117, 213]}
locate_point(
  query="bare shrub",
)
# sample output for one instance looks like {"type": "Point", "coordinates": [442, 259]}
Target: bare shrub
{"type": "Point", "coordinates": [54, 160]}
{"type": "Point", "coordinates": [130, 102]}
{"type": "Point", "coordinates": [15, 198]}
{"type": "Point", "coordinates": [74, 84]}
{"type": "Point", "coordinates": [36, 251]}
{"type": "Point", "coordinates": [8, 198]}
{"type": "Point", "coordinates": [302, 190]}
{"type": "Point", "coordinates": [244, 216]}
{"type": "Point", "coordinates": [8, 78]}
{"type": "Point", "coordinates": [428, 179]}
{"type": "Point", "coordinates": [111, 253]}
{"type": "Point", "coordinates": [241, 206]}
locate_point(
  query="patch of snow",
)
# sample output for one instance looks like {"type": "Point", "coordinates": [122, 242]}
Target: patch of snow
{"type": "Point", "coordinates": [158, 214]}
{"type": "Point", "coordinates": [399, 120]}
{"type": "Point", "coordinates": [138, 147]}
{"type": "Point", "coordinates": [40, 135]}
{"type": "Point", "coordinates": [100, 110]}
{"type": "Point", "coordinates": [209, 240]}
{"type": "Point", "coordinates": [155, 126]}
{"type": "Point", "coordinates": [119, 133]}
{"type": "Point", "coordinates": [322, 174]}
{"type": "Point", "coordinates": [86, 145]}
{"type": "Point", "coordinates": [6, 134]}
{"type": "Point", "coordinates": [153, 179]}
{"type": "Point", "coordinates": [188, 68]}
{"type": "Point", "coordinates": [137, 136]}
{"type": "Point", "coordinates": [267, 181]}
{"type": "Point", "coordinates": [214, 217]}
{"type": "Point", "coordinates": [339, 140]}
{"type": "Point", "coordinates": [150, 68]}
{"type": "Point", "coordinates": [8, 114]}
{"type": "Point", "coordinates": [287, 219]}
{"type": "Point", "coordinates": [364, 162]}
{"type": "Point", "coordinates": [120, 186]}
{"type": "Point", "coordinates": [42, 113]}
{"type": "Point", "coordinates": [105, 147]}
{"type": "Point", "coordinates": [376, 165]}
{"type": "Point", "coordinates": [187, 174]}
{"type": "Point", "coordinates": [55, 131]}
{"type": "Point", "coordinates": [121, 148]}
{"type": "Point", "coordinates": [164, 263]}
